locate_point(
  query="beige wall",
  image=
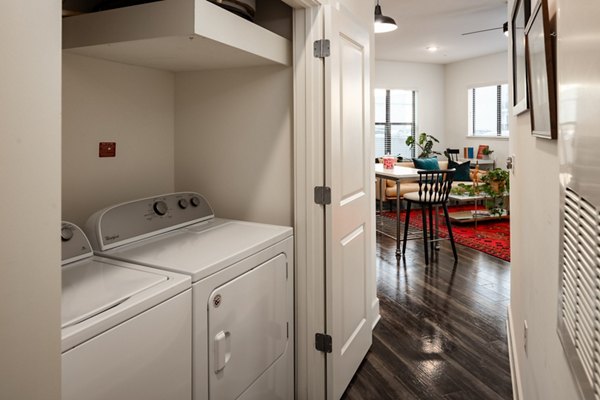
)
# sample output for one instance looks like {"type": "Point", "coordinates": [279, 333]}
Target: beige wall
{"type": "Point", "coordinates": [233, 141]}
{"type": "Point", "coordinates": [480, 71]}
{"type": "Point", "coordinates": [133, 106]}
{"type": "Point", "coordinates": [544, 373]}
{"type": "Point", "coordinates": [428, 81]}
{"type": "Point", "coordinates": [30, 212]}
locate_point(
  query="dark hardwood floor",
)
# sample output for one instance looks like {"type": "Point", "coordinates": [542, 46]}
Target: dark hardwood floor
{"type": "Point", "coordinates": [442, 333]}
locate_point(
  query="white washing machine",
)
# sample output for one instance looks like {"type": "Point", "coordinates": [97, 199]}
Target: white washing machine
{"type": "Point", "coordinates": [242, 284]}
{"type": "Point", "coordinates": [126, 329]}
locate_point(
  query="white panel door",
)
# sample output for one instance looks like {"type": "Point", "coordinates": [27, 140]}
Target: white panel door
{"type": "Point", "coordinates": [349, 258]}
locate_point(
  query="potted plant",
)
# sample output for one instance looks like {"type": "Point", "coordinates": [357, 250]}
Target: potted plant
{"type": "Point", "coordinates": [425, 144]}
{"type": "Point", "coordinates": [487, 153]}
{"type": "Point", "coordinates": [496, 186]}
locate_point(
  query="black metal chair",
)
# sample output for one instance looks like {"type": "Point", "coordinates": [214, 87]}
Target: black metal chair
{"type": "Point", "coordinates": [452, 154]}
{"type": "Point", "coordinates": [434, 188]}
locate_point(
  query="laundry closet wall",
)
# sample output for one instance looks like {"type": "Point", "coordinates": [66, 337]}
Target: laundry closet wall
{"type": "Point", "coordinates": [233, 141]}
{"type": "Point", "coordinates": [130, 105]}
{"type": "Point", "coordinates": [231, 129]}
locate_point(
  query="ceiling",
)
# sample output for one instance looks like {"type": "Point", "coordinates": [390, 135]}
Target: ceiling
{"type": "Point", "coordinates": [423, 23]}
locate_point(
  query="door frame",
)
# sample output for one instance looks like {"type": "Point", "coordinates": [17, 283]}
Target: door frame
{"type": "Point", "coordinates": [309, 218]}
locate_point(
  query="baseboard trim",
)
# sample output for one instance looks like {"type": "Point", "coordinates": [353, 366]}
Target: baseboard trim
{"type": "Point", "coordinates": [375, 312]}
{"type": "Point", "coordinates": [512, 356]}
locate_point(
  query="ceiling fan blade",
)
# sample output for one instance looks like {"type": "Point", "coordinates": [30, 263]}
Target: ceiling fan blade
{"type": "Point", "coordinates": [483, 30]}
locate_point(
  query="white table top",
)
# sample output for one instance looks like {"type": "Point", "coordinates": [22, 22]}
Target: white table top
{"type": "Point", "coordinates": [398, 173]}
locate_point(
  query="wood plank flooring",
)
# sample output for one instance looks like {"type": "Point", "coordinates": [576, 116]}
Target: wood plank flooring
{"type": "Point", "coordinates": [442, 333]}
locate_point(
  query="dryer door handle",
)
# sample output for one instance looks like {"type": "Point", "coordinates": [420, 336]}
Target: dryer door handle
{"type": "Point", "coordinates": [222, 350]}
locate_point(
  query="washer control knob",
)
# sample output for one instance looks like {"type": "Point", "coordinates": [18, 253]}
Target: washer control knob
{"type": "Point", "coordinates": [66, 233]}
{"type": "Point", "coordinates": [195, 201]}
{"type": "Point", "coordinates": [160, 207]}
{"type": "Point", "coordinates": [183, 204]}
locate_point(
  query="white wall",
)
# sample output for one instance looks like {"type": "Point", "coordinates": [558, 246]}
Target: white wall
{"type": "Point", "coordinates": [428, 81]}
{"type": "Point", "coordinates": [459, 76]}
{"type": "Point", "coordinates": [105, 101]}
{"type": "Point", "coordinates": [30, 213]}
{"type": "Point", "coordinates": [233, 141]}
{"type": "Point", "coordinates": [544, 373]}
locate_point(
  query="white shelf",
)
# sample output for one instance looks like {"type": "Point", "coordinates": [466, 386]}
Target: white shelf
{"type": "Point", "coordinates": [174, 35]}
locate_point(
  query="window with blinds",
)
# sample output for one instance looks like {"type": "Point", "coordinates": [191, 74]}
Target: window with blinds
{"type": "Point", "coordinates": [488, 111]}
{"type": "Point", "coordinates": [579, 304]}
{"type": "Point", "coordinates": [395, 120]}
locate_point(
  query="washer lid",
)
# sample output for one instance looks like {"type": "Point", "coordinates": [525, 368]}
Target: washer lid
{"type": "Point", "coordinates": [93, 286]}
{"type": "Point", "coordinates": [202, 249]}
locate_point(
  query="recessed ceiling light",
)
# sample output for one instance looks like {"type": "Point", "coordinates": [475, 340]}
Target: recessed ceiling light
{"type": "Point", "coordinates": [432, 49]}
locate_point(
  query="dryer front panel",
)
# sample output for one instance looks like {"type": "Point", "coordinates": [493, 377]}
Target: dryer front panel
{"type": "Point", "coordinates": [248, 329]}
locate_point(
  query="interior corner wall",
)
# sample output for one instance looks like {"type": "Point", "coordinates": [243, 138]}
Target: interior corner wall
{"type": "Point", "coordinates": [428, 81]}
{"type": "Point", "coordinates": [459, 77]}
{"type": "Point", "coordinates": [30, 39]}
{"type": "Point", "coordinates": [544, 372]}
{"type": "Point", "coordinates": [104, 101]}
{"type": "Point", "coordinates": [233, 141]}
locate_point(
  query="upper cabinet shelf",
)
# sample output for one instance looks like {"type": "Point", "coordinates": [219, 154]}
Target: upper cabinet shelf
{"type": "Point", "coordinates": [174, 35]}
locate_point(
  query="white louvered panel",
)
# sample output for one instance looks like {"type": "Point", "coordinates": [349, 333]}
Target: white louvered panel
{"type": "Point", "coordinates": [580, 284]}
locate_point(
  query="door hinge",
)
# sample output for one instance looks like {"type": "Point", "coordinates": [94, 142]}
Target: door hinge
{"type": "Point", "coordinates": [323, 342]}
{"type": "Point", "coordinates": [322, 195]}
{"type": "Point", "coordinates": [322, 48]}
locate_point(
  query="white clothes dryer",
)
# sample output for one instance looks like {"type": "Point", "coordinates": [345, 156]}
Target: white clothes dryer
{"type": "Point", "coordinates": [242, 283]}
{"type": "Point", "coordinates": [126, 329]}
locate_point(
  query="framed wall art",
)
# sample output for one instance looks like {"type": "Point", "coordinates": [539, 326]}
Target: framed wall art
{"type": "Point", "coordinates": [519, 18]}
{"type": "Point", "coordinates": [540, 72]}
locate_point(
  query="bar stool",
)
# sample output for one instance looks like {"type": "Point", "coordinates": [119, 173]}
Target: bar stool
{"type": "Point", "coordinates": [434, 188]}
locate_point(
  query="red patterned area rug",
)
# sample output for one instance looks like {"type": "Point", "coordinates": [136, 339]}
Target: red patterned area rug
{"type": "Point", "coordinates": [491, 237]}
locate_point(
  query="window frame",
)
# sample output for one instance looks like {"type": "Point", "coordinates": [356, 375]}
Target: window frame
{"type": "Point", "coordinates": [388, 124]}
{"type": "Point", "coordinates": [471, 114]}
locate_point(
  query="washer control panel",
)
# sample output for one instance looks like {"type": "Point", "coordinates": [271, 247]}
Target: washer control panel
{"type": "Point", "coordinates": [126, 222]}
{"type": "Point", "coordinates": [74, 243]}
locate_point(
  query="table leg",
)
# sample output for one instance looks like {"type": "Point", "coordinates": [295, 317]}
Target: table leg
{"type": "Point", "coordinates": [437, 225]}
{"type": "Point", "coordinates": [398, 251]}
{"type": "Point", "coordinates": [476, 214]}
{"type": "Point", "coordinates": [381, 195]}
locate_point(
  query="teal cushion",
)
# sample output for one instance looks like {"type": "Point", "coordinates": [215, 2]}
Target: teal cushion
{"type": "Point", "coordinates": [462, 170]}
{"type": "Point", "coordinates": [428, 164]}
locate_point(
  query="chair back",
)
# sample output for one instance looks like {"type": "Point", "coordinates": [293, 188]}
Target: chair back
{"type": "Point", "coordinates": [435, 186]}
{"type": "Point", "coordinates": [452, 154]}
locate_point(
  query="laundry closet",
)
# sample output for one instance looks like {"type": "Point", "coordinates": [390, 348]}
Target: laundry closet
{"type": "Point", "coordinates": [193, 96]}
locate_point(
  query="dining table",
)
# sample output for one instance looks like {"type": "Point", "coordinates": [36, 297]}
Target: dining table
{"type": "Point", "coordinates": [399, 175]}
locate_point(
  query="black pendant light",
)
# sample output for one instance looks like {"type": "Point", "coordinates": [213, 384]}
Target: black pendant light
{"type": "Point", "coordinates": [382, 22]}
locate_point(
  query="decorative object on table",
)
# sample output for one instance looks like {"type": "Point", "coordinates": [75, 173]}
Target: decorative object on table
{"type": "Point", "coordinates": [468, 152]}
{"type": "Point", "coordinates": [491, 236]}
{"type": "Point", "coordinates": [462, 171]}
{"type": "Point", "coordinates": [425, 144]}
{"type": "Point", "coordinates": [520, 16]}
{"type": "Point", "coordinates": [480, 150]}
{"type": "Point", "coordinates": [465, 189]}
{"type": "Point", "coordinates": [497, 183]}
{"type": "Point", "coordinates": [474, 175]}
{"type": "Point", "coordinates": [487, 153]}
{"type": "Point", "coordinates": [244, 8]}
{"type": "Point", "coordinates": [389, 161]}
{"type": "Point", "coordinates": [540, 72]}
